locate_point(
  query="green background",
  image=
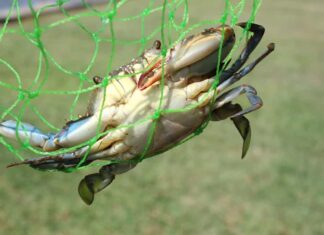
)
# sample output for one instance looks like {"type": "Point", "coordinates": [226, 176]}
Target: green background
{"type": "Point", "coordinates": [202, 186]}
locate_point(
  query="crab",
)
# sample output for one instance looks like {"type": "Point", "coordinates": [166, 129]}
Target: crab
{"type": "Point", "coordinates": [151, 90]}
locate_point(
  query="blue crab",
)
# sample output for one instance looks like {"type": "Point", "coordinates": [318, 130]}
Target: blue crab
{"type": "Point", "coordinates": [187, 73]}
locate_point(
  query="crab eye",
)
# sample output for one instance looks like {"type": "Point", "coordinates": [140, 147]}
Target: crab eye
{"type": "Point", "coordinates": [97, 79]}
{"type": "Point", "coordinates": [208, 31]}
{"type": "Point", "coordinates": [157, 44]}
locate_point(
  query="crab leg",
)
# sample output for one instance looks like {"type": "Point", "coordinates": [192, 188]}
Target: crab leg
{"type": "Point", "coordinates": [258, 32]}
{"type": "Point", "coordinates": [74, 133]}
{"type": "Point", "coordinates": [241, 123]}
{"type": "Point", "coordinates": [59, 162]}
{"type": "Point", "coordinates": [247, 69]}
{"type": "Point", "coordinates": [107, 146]}
{"type": "Point", "coordinates": [25, 132]}
{"type": "Point", "coordinates": [230, 95]}
{"type": "Point", "coordinates": [82, 130]}
{"type": "Point", "coordinates": [224, 109]}
{"type": "Point", "coordinates": [94, 183]}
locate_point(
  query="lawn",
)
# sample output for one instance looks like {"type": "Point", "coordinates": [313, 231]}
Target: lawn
{"type": "Point", "coordinates": [202, 186]}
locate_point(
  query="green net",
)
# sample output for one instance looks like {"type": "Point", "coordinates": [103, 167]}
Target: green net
{"type": "Point", "coordinates": [48, 61]}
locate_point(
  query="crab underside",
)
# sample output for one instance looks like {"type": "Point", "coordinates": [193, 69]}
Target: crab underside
{"type": "Point", "coordinates": [187, 74]}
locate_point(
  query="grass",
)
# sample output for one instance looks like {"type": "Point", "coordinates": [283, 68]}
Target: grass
{"type": "Point", "coordinates": [200, 187]}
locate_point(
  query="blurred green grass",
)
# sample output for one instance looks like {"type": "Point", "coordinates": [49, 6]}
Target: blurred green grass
{"type": "Point", "coordinates": [200, 187]}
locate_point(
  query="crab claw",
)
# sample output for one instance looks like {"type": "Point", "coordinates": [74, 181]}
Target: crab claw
{"type": "Point", "coordinates": [74, 133]}
{"type": "Point", "coordinates": [194, 56]}
{"type": "Point", "coordinates": [24, 132]}
{"type": "Point", "coordinates": [241, 123]}
{"type": "Point", "coordinates": [91, 184]}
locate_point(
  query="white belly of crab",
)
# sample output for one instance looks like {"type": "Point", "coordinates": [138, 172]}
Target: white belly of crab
{"type": "Point", "coordinates": [135, 119]}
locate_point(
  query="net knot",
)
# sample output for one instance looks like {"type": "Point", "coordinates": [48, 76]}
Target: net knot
{"type": "Point", "coordinates": [104, 82]}
{"type": "Point", "coordinates": [146, 12]}
{"type": "Point", "coordinates": [156, 115]}
{"type": "Point", "coordinates": [37, 33]}
{"type": "Point", "coordinates": [105, 19]}
{"type": "Point", "coordinates": [111, 14]}
{"type": "Point", "coordinates": [215, 83]}
{"type": "Point", "coordinates": [164, 51]}
{"type": "Point", "coordinates": [83, 77]}
{"type": "Point", "coordinates": [21, 95]}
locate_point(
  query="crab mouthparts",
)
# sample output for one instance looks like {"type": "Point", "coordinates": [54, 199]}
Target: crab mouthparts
{"type": "Point", "coordinates": [151, 76]}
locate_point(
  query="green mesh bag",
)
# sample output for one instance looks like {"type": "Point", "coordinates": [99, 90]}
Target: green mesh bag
{"type": "Point", "coordinates": [63, 51]}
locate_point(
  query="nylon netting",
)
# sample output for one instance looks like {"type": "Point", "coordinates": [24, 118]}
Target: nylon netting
{"type": "Point", "coordinates": [174, 20]}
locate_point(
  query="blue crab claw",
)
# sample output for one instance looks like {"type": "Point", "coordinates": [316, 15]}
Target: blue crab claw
{"type": "Point", "coordinates": [72, 134]}
{"type": "Point", "coordinates": [25, 132]}
{"type": "Point", "coordinates": [77, 132]}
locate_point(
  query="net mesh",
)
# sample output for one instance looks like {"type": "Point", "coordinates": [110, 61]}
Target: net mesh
{"type": "Point", "coordinates": [173, 25]}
